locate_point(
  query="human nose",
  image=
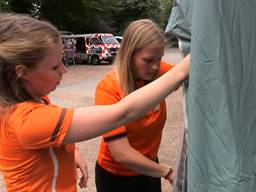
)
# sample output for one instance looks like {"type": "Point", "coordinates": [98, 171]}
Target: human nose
{"type": "Point", "coordinates": [155, 66]}
{"type": "Point", "coordinates": [63, 68]}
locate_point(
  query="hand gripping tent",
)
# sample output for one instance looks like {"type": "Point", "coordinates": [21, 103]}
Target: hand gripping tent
{"type": "Point", "coordinates": [179, 26]}
{"type": "Point", "coordinates": [221, 96]}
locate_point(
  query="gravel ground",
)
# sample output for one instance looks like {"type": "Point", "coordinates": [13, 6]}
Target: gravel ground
{"type": "Point", "coordinates": [77, 89]}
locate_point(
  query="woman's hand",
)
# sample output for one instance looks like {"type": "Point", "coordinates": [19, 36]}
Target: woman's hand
{"type": "Point", "coordinates": [81, 165]}
{"type": "Point", "coordinates": [170, 176]}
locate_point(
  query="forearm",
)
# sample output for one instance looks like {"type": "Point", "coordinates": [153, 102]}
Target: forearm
{"type": "Point", "coordinates": [81, 165]}
{"type": "Point", "coordinates": [93, 121]}
{"type": "Point", "coordinates": [156, 91]}
{"type": "Point", "coordinates": [140, 164]}
{"type": "Point", "coordinates": [90, 122]}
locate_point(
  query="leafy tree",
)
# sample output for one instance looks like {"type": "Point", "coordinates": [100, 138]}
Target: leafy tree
{"type": "Point", "coordinates": [86, 16]}
{"type": "Point", "coordinates": [126, 11]}
{"type": "Point", "coordinates": [3, 5]}
{"type": "Point", "coordinates": [79, 16]}
{"type": "Point", "coordinates": [20, 6]}
{"type": "Point", "coordinates": [106, 18]}
{"type": "Point", "coordinates": [166, 6]}
{"type": "Point", "coordinates": [129, 10]}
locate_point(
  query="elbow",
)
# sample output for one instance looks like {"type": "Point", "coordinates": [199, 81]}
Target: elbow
{"type": "Point", "coordinates": [121, 158]}
{"type": "Point", "coordinates": [181, 76]}
{"type": "Point", "coordinates": [184, 75]}
{"type": "Point", "coordinates": [124, 112]}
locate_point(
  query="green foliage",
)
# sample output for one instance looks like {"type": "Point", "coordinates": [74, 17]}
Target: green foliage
{"type": "Point", "coordinates": [18, 6]}
{"type": "Point", "coordinates": [3, 5]}
{"type": "Point", "coordinates": [130, 10]}
{"type": "Point", "coordinates": [166, 10]}
{"type": "Point", "coordinates": [126, 11]}
{"type": "Point", "coordinates": [76, 15]}
{"type": "Point", "coordinates": [86, 16]}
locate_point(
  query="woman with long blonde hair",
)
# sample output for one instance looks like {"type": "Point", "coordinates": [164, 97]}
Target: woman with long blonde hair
{"type": "Point", "coordinates": [127, 158]}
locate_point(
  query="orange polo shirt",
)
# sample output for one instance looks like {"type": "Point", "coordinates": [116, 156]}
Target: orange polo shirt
{"type": "Point", "coordinates": [144, 134]}
{"type": "Point", "coordinates": [32, 157]}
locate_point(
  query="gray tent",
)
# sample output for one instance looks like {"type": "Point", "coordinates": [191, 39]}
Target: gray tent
{"type": "Point", "coordinates": [221, 96]}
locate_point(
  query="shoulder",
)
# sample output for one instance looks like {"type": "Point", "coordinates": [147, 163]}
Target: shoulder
{"type": "Point", "coordinates": [27, 107]}
{"type": "Point", "coordinates": [33, 112]}
{"type": "Point", "coordinates": [32, 122]}
{"type": "Point", "coordinates": [164, 67]}
{"type": "Point", "coordinates": [108, 90]}
{"type": "Point", "coordinates": [38, 113]}
{"type": "Point", "coordinates": [108, 79]}
{"type": "Point", "coordinates": [109, 82]}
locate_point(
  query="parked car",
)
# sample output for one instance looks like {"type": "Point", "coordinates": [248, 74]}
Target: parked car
{"type": "Point", "coordinates": [66, 33]}
{"type": "Point", "coordinates": [119, 38]}
{"type": "Point", "coordinates": [69, 55]}
{"type": "Point", "coordinates": [94, 48]}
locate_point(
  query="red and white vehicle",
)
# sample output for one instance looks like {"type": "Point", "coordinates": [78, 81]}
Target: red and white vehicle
{"type": "Point", "coordinates": [94, 48]}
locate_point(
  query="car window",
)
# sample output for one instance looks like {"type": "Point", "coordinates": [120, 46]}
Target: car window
{"type": "Point", "coordinates": [96, 41]}
{"type": "Point", "coordinates": [109, 40]}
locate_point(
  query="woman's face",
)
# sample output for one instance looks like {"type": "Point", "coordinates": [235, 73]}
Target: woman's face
{"type": "Point", "coordinates": [146, 63]}
{"type": "Point", "coordinates": [48, 73]}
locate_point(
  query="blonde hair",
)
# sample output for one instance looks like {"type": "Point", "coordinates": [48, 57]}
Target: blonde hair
{"type": "Point", "coordinates": [23, 40]}
{"type": "Point", "coordinates": [143, 33]}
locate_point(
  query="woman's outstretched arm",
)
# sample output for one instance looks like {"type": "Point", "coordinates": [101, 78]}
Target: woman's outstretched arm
{"type": "Point", "coordinates": [90, 122]}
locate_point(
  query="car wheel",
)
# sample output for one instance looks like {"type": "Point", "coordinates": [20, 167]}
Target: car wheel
{"type": "Point", "coordinates": [95, 60]}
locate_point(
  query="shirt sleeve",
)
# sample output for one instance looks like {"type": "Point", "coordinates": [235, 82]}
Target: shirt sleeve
{"type": "Point", "coordinates": [164, 67]}
{"type": "Point", "coordinates": [42, 126]}
{"type": "Point", "coordinates": [107, 93]}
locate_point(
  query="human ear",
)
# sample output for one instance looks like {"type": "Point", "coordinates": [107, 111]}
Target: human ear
{"type": "Point", "coordinates": [21, 71]}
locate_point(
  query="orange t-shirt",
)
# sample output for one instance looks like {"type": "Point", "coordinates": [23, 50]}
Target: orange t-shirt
{"type": "Point", "coordinates": [32, 157]}
{"type": "Point", "coordinates": [144, 134]}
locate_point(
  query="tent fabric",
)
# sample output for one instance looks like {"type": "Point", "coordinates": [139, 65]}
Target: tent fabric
{"type": "Point", "coordinates": [222, 110]}
{"type": "Point", "coordinates": [221, 95]}
{"type": "Point", "coordinates": [179, 23]}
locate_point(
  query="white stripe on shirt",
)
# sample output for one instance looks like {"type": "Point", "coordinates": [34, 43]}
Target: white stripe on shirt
{"type": "Point", "coordinates": [55, 168]}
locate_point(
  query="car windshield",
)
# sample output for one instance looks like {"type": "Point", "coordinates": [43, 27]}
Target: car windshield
{"type": "Point", "coordinates": [109, 40]}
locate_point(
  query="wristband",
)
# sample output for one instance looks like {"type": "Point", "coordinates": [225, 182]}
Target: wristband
{"type": "Point", "coordinates": [168, 174]}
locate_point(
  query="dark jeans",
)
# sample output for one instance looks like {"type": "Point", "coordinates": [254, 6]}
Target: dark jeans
{"type": "Point", "coordinates": [107, 182]}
